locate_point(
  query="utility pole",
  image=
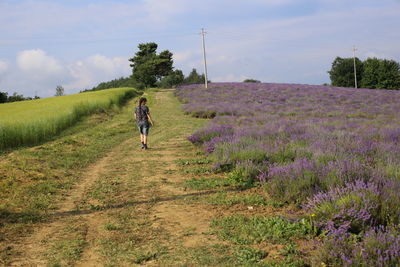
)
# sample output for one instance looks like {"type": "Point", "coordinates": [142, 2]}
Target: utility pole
{"type": "Point", "coordinates": [204, 57]}
{"type": "Point", "coordinates": [355, 69]}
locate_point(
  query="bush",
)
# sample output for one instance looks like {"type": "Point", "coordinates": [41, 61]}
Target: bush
{"type": "Point", "coordinates": [377, 247]}
{"type": "Point", "coordinates": [251, 81]}
{"type": "Point", "coordinates": [206, 134]}
{"type": "Point", "coordinates": [242, 176]}
{"type": "Point", "coordinates": [173, 79]}
{"type": "Point", "coordinates": [351, 208]}
{"type": "Point", "coordinates": [294, 182]}
{"type": "Point", "coordinates": [389, 212]}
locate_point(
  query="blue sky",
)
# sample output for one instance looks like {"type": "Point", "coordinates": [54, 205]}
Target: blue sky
{"type": "Point", "coordinates": [78, 44]}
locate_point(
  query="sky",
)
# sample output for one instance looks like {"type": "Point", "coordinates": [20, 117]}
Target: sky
{"type": "Point", "coordinates": [80, 43]}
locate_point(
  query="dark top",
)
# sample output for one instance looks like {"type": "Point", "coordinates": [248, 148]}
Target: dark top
{"type": "Point", "coordinates": [142, 119]}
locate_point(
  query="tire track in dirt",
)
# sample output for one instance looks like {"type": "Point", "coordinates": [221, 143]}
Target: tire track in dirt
{"type": "Point", "coordinates": [32, 249]}
{"type": "Point", "coordinates": [178, 218]}
{"type": "Point", "coordinates": [167, 146]}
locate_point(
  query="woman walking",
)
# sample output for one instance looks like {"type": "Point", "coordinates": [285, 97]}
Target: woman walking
{"type": "Point", "coordinates": [142, 116]}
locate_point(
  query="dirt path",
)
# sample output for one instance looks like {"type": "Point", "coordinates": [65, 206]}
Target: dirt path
{"type": "Point", "coordinates": [128, 208]}
{"type": "Point", "coordinates": [33, 249]}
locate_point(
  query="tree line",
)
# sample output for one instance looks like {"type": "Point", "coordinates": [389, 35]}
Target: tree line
{"type": "Point", "coordinates": [175, 78]}
{"type": "Point", "coordinates": [152, 69]}
{"type": "Point", "coordinates": [5, 98]}
{"type": "Point", "coordinates": [373, 73]}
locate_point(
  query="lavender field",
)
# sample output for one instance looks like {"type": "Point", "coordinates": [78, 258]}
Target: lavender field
{"type": "Point", "coordinates": [333, 152]}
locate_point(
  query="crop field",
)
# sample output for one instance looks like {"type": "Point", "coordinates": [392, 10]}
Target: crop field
{"type": "Point", "coordinates": [30, 122]}
{"type": "Point", "coordinates": [332, 152]}
{"type": "Point", "coordinates": [279, 175]}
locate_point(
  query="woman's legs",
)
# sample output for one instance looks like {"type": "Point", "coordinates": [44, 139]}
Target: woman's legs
{"type": "Point", "coordinates": [144, 131]}
{"type": "Point", "coordinates": [145, 139]}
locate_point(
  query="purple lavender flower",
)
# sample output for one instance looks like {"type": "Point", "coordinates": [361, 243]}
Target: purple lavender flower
{"type": "Point", "coordinates": [205, 135]}
{"type": "Point", "coordinates": [378, 246]}
{"type": "Point", "coordinates": [392, 135]}
{"type": "Point", "coordinates": [295, 181]}
{"type": "Point", "coordinates": [337, 147]}
{"type": "Point", "coordinates": [352, 207]}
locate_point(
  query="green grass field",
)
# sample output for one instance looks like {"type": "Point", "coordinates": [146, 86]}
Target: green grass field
{"type": "Point", "coordinates": [30, 122]}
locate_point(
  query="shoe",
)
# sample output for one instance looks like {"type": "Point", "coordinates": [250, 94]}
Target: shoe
{"type": "Point", "coordinates": [145, 146]}
{"type": "Point", "coordinates": [142, 145]}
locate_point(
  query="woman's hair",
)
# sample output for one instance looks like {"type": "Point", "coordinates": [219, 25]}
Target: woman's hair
{"type": "Point", "coordinates": [142, 100]}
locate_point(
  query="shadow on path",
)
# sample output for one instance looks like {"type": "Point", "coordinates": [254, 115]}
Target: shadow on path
{"type": "Point", "coordinates": [12, 217]}
{"type": "Point", "coordinates": [131, 203]}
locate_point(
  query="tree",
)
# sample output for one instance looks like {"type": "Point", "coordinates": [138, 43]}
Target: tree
{"type": "Point", "coordinates": [194, 77]}
{"type": "Point", "coordinates": [59, 90]}
{"type": "Point", "coordinates": [164, 64]}
{"type": "Point", "coordinates": [381, 74]}
{"type": "Point", "coordinates": [389, 77]}
{"type": "Point", "coordinates": [251, 81]}
{"type": "Point", "coordinates": [371, 73]}
{"type": "Point", "coordinates": [3, 97]}
{"type": "Point", "coordinates": [16, 97]}
{"type": "Point", "coordinates": [148, 67]}
{"type": "Point", "coordinates": [342, 72]}
{"type": "Point", "coordinates": [173, 79]}
{"type": "Point", "coordinates": [116, 83]}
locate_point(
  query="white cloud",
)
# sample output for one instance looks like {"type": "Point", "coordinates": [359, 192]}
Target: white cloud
{"type": "Point", "coordinates": [372, 54]}
{"type": "Point", "coordinates": [181, 57]}
{"type": "Point", "coordinates": [266, 2]}
{"type": "Point", "coordinates": [95, 69]}
{"type": "Point", "coordinates": [108, 66]}
{"type": "Point", "coordinates": [56, 20]}
{"type": "Point", "coordinates": [187, 60]}
{"type": "Point", "coordinates": [38, 64]}
{"type": "Point", "coordinates": [35, 71]}
{"type": "Point", "coordinates": [162, 11]}
{"type": "Point", "coordinates": [3, 67]}
{"type": "Point", "coordinates": [230, 78]}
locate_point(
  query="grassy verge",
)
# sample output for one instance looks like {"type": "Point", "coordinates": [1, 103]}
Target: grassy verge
{"type": "Point", "coordinates": [265, 241]}
{"type": "Point", "coordinates": [66, 247]}
{"type": "Point", "coordinates": [246, 199]}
